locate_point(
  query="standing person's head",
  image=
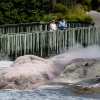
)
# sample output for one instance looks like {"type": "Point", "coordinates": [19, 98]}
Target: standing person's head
{"type": "Point", "coordinates": [53, 21]}
{"type": "Point", "coordinates": [62, 19]}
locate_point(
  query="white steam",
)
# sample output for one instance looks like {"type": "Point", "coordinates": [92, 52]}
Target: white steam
{"type": "Point", "coordinates": [74, 52]}
{"type": "Point", "coordinates": [77, 51]}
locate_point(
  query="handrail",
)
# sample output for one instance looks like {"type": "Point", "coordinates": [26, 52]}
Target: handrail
{"type": "Point", "coordinates": [41, 42]}
{"type": "Point", "coordinates": [39, 26]}
{"type": "Point", "coordinates": [43, 23]}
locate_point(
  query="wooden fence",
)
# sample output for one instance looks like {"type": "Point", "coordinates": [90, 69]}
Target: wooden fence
{"type": "Point", "coordinates": [38, 26]}
{"type": "Point", "coordinates": [45, 43]}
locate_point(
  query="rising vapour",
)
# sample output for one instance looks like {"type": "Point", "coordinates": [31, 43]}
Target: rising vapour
{"type": "Point", "coordinates": [4, 61]}
{"type": "Point", "coordinates": [77, 51]}
{"type": "Point", "coordinates": [62, 59]}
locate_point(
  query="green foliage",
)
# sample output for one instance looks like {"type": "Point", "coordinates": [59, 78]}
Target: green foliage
{"type": "Point", "coordinates": [98, 10]}
{"type": "Point", "coordinates": [98, 6]}
{"type": "Point", "coordinates": [86, 8]}
{"type": "Point", "coordinates": [87, 2]}
{"type": "Point", "coordinates": [1, 18]}
{"type": "Point", "coordinates": [88, 18]}
{"type": "Point", "coordinates": [60, 16]}
{"type": "Point", "coordinates": [6, 6]}
{"type": "Point", "coordinates": [60, 8]}
{"type": "Point", "coordinates": [76, 14]}
{"type": "Point", "coordinates": [79, 12]}
{"type": "Point", "coordinates": [36, 16]}
{"type": "Point", "coordinates": [69, 3]}
{"type": "Point", "coordinates": [22, 11]}
{"type": "Point", "coordinates": [70, 15]}
{"type": "Point", "coordinates": [49, 17]}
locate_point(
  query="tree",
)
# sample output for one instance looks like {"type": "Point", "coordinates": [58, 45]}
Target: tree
{"type": "Point", "coordinates": [68, 3]}
{"type": "Point", "coordinates": [95, 4]}
{"type": "Point", "coordinates": [59, 8]}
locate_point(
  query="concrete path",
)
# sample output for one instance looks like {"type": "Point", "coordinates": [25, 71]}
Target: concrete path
{"type": "Point", "coordinates": [96, 17]}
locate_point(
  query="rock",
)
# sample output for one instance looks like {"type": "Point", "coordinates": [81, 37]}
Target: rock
{"type": "Point", "coordinates": [79, 89]}
{"type": "Point", "coordinates": [28, 71]}
{"type": "Point", "coordinates": [79, 69]}
{"type": "Point", "coordinates": [80, 76]}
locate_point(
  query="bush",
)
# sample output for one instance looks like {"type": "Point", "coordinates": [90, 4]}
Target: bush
{"type": "Point", "coordinates": [70, 15]}
{"type": "Point", "coordinates": [78, 13]}
{"type": "Point", "coordinates": [60, 16]}
{"type": "Point", "coordinates": [1, 18]}
{"type": "Point", "coordinates": [88, 18]}
{"type": "Point", "coordinates": [87, 8]}
{"type": "Point", "coordinates": [60, 8]}
{"type": "Point", "coordinates": [49, 17]}
{"type": "Point", "coordinates": [98, 10]}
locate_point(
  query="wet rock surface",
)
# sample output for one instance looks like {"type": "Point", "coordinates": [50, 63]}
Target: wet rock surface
{"type": "Point", "coordinates": [81, 76]}
{"type": "Point", "coordinates": [29, 72]}
{"type": "Point", "coordinates": [79, 89]}
{"type": "Point", "coordinates": [81, 69]}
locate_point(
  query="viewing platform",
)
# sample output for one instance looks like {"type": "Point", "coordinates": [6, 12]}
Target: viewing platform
{"type": "Point", "coordinates": [39, 41]}
{"type": "Point", "coordinates": [39, 26]}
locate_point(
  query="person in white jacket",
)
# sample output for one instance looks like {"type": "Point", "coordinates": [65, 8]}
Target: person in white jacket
{"type": "Point", "coordinates": [53, 26]}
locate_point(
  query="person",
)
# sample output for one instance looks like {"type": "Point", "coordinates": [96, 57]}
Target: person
{"type": "Point", "coordinates": [53, 26]}
{"type": "Point", "coordinates": [63, 24]}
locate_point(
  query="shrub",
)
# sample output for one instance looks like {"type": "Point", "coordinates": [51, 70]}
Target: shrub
{"type": "Point", "coordinates": [88, 18]}
{"type": "Point", "coordinates": [60, 8]}
{"type": "Point", "coordinates": [87, 8]}
{"type": "Point", "coordinates": [1, 18]}
{"type": "Point", "coordinates": [60, 16]}
{"type": "Point", "coordinates": [98, 10]}
{"type": "Point", "coordinates": [70, 15]}
{"type": "Point", "coordinates": [78, 13]}
{"type": "Point", "coordinates": [49, 17]}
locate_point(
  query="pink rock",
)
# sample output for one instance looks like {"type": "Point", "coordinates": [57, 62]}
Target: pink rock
{"type": "Point", "coordinates": [28, 71]}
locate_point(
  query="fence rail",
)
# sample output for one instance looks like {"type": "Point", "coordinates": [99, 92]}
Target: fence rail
{"type": "Point", "coordinates": [45, 43]}
{"type": "Point", "coordinates": [38, 26]}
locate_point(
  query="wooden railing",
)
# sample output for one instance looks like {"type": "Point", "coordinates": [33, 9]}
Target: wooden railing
{"type": "Point", "coordinates": [42, 43]}
{"type": "Point", "coordinates": [38, 26]}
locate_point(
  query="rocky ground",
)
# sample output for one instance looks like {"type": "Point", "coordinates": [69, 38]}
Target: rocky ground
{"type": "Point", "coordinates": [81, 76]}
{"type": "Point", "coordinates": [28, 72]}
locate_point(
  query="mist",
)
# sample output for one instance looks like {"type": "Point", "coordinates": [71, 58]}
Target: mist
{"type": "Point", "coordinates": [77, 51]}
{"type": "Point", "coordinates": [4, 56]}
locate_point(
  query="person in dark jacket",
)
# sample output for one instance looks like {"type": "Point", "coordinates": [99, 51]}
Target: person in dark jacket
{"type": "Point", "coordinates": [62, 24]}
